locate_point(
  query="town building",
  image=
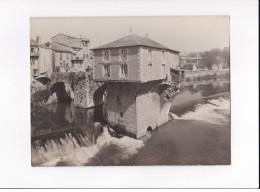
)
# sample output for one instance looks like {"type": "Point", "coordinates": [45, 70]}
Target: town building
{"type": "Point", "coordinates": [61, 57]}
{"type": "Point", "coordinates": [34, 55]}
{"type": "Point", "coordinates": [190, 61]}
{"type": "Point", "coordinates": [134, 68]}
{"type": "Point", "coordinates": [81, 59]}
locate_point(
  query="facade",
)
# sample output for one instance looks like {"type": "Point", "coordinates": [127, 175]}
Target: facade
{"type": "Point", "coordinates": [136, 63]}
{"type": "Point", "coordinates": [63, 54]}
{"type": "Point", "coordinates": [190, 61]}
{"type": "Point", "coordinates": [81, 60]}
{"type": "Point", "coordinates": [61, 57]}
{"type": "Point", "coordinates": [34, 55]}
{"type": "Point", "coordinates": [133, 68]}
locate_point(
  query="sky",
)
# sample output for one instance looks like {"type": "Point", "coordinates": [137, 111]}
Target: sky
{"type": "Point", "coordinates": [184, 33]}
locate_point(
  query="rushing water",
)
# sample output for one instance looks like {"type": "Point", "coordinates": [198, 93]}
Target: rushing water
{"type": "Point", "coordinates": [199, 134]}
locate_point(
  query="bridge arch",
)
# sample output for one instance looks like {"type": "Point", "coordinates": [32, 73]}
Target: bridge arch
{"type": "Point", "coordinates": [63, 92]}
{"type": "Point", "coordinates": [98, 96]}
{"type": "Point", "coordinates": [149, 128]}
{"type": "Point", "coordinates": [43, 80]}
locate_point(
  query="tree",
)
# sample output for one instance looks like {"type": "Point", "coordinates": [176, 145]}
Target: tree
{"type": "Point", "coordinates": [209, 58]}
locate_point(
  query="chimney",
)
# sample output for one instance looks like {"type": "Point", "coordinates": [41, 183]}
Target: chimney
{"type": "Point", "coordinates": [38, 39]}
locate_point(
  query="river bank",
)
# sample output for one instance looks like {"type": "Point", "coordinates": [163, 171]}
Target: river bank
{"type": "Point", "coordinates": [206, 75]}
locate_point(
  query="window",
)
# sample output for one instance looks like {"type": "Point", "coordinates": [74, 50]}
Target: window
{"type": "Point", "coordinates": [67, 55]}
{"type": "Point", "coordinates": [31, 50]}
{"type": "Point", "coordinates": [123, 54]}
{"type": "Point", "coordinates": [106, 55]}
{"type": "Point", "coordinates": [121, 114]}
{"type": "Point", "coordinates": [32, 61]}
{"type": "Point", "coordinates": [124, 69]}
{"type": "Point", "coordinates": [150, 70]}
{"type": "Point", "coordinates": [60, 56]}
{"type": "Point", "coordinates": [163, 56]}
{"type": "Point", "coordinates": [107, 70]}
{"type": "Point", "coordinates": [118, 100]}
{"type": "Point", "coordinates": [34, 71]}
{"type": "Point", "coordinates": [150, 54]}
{"type": "Point", "coordinates": [163, 69]}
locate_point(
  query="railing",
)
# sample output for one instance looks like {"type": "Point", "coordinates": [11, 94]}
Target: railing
{"type": "Point", "coordinates": [34, 54]}
{"type": "Point", "coordinates": [173, 89]}
{"type": "Point", "coordinates": [74, 58]}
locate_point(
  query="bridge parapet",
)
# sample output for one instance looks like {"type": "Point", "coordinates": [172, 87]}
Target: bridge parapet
{"type": "Point", "coordinates": [81, 85]}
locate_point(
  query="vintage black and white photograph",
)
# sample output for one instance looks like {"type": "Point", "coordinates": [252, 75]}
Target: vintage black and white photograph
{"type": "Point", "coordinates": [130, 91]}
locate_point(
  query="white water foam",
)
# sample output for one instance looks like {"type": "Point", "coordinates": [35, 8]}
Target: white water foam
{"type": "Point", "coordinates": [70, 153]}
{"type": "Point", "coordinates": [209, 112]}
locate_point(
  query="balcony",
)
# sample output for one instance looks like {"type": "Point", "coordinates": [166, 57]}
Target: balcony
{"type": "Point", "coordinates": [34, 54]}
{"type": "Point", "coordinates": [74, 58]}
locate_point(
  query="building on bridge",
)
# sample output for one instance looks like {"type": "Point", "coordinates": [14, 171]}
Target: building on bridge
{"type": "Point", "coordinates": [136, 71]}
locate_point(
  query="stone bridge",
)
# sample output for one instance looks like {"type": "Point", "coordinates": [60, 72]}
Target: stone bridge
{"type": "Point", "coordinates": [77, 86]}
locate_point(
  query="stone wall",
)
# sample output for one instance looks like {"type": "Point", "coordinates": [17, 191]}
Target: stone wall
{"type": "Point", "coordinates": [82, 85]}
{"type": "Point", "coordinates": [121, 106]}
{"type": "Point", "coordinates": [206, 75]}
{"type": "Point", "coordinates": [148, 110]}
{"type": "Point", "coordinates": [132, 112]}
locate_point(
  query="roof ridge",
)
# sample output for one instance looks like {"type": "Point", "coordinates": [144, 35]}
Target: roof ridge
{"type": "Point", "coordinates": [132, 35]}
{"type": "Point", "coordinates": [61, 44]}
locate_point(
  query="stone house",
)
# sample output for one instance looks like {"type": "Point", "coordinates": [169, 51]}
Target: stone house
{"type": "Point", "coordinates": [34, 55]}
{"type": "Point", "coordinates": [80, 47]}
{"type": "Point", "coordinates": [133, 67]}
{"type": "Point", "coordinates": [61, 57]}
{"type": "Point", "coordinates": [190, 61]}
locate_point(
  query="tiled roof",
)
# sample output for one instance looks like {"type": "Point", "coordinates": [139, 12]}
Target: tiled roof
{"type": "Point", "coordinates": [59, 47]}
{"type": "Point", "coordinates": [134, 40]}
{"type": "Point", "coordinates": [71, 41]}
{"type": "Point", "coordinates": [33, 42]}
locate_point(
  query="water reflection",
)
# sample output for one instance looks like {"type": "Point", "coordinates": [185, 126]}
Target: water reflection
{"type": "Point", "coordinates": [192, 94]}
{"type": "Point", "coordinates": [61, 116]}
{"type": "Point", "coordinates": [195, 91]}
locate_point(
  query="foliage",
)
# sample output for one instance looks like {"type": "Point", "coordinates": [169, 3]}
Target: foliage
{"type": "Point", "coordinates": [214, 57]}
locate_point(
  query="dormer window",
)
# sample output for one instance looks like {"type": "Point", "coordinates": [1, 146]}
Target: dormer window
{"type": "Point", "coordinates": [106, 55]}
{"type": "Point", "coordinates": [123, 54]}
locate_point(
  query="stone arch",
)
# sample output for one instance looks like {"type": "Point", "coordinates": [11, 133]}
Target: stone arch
{"type": "Point", "coordinates": [63, 91]}
{"type": "Point", "coordinates": [98, 96]}
{"type": "Point", "coordinates": [166, 99]}
{"type": "Point", "coordinates": [43, 80]}
{"type": "Point", "coordinates": [149, 128]}
{"type": "Point", "coordinates": [161, 88]}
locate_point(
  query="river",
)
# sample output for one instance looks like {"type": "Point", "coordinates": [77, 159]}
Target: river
{"type": "Point", "coordinates": [199, 133]}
